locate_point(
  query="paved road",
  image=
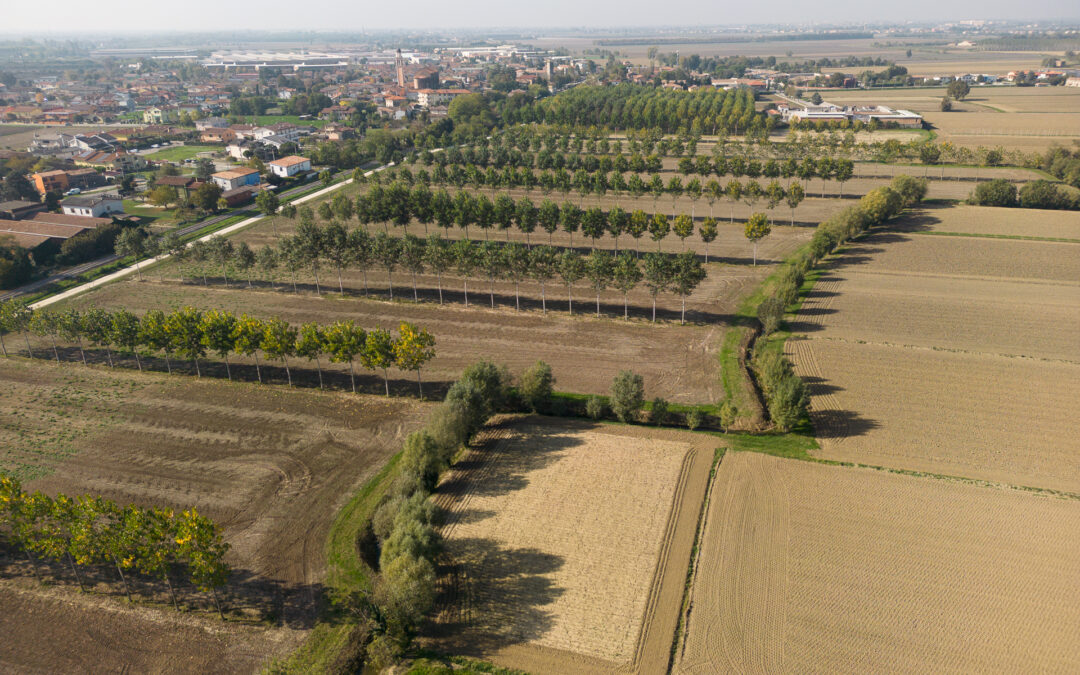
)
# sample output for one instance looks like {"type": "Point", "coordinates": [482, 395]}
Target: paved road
{"type": "Point", "coordinates": [75, 271]}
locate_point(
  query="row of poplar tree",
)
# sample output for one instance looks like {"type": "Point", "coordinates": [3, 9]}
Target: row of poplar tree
{"type": "Point", "coordinates": [495, 173]}
{"type": "Point", "coordinates": [88, 531]}
{"type": "Point", "coordinates": [315, 246]}
{"type": "Point", "coordinates": [192, 333]}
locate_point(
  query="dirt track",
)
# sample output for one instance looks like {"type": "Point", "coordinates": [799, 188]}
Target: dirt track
{"type": "Point", "coordinates": [566, 561]}
{"type": "Point", "coordinates": [812, 568]}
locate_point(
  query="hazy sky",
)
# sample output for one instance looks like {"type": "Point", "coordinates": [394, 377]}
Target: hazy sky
{"type": "Point", "coordinates": [89, 18]}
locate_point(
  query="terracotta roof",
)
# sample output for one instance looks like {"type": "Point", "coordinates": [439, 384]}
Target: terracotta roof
{"type": "Point", "coordinates": [235, 173]}
{"type": "Point", "coordinates": [291, 160]}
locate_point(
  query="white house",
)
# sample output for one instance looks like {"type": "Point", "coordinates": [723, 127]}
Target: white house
{"type": "Point", "coordinates": [234, 178]}
{"type": "Point", "coordinates": [94, 206]}
{"type": "Point", "coordinates": [289, 166]}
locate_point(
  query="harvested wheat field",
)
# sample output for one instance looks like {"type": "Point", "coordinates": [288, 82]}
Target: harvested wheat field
{"type": "Point", "coordinates": [991, 221]}
{"type": "Point", "coordinates": [271, 465]}
{"type": "Point", "coordinates": [813, 568]}
{"type": "Point", "coordinates": [977, 415]}
{"type": "Point", "coordinates": [567, 545]}
{"type": "Point", "coordinates": [947, 354]}
{"type": "Point", "coordinates": [944, 257]}
{"type": "Point", "coordinates": [972, 315]}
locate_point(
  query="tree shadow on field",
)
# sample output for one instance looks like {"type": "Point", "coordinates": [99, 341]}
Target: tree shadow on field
{"type": "Point", "coordinates": [840, 424]}
{"type": "Point", "coordinates": [819, 386]}
{"type": "Point", "coordinates": [917, 221]}
{"type": "Point", "coordinates": [503, 466]}
{"type": "Point", "coordinates": [491, 597]}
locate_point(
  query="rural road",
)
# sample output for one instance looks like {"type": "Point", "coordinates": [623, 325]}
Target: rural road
{"type": "Point", "coordinates": [119, 274]}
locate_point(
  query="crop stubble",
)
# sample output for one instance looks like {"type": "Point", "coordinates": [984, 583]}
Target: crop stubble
{"type": "Point", "coordinates": [814, 568]}
{"type": "Point", "coordinates": [574, 539]}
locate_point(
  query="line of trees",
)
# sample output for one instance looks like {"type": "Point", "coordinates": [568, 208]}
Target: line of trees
{"type": "Point", "coordinates": [559, 170]}
{"type": "Point", "coordinates": [315, 247]}
{"type": "Point", "coordinates": [88, 531]}
{"type": "Point", "coordinates": [400, 204]}
{"type": "Point", "coordinates": [785, 393]}
{"type": "Point", "coordinates": [192, 334]}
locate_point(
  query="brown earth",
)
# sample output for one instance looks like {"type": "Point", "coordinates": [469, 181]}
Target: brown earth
{"type": "Point", "coordinates": [991, 220]}
{"type": "Point", "coordinates": [271, 465]}
{"type": "Point", "coordinates": [560, 560]}
{"type": "Point", "coordinates": [813, 568]}
{"type": "Point", "coordinates": [678, 362]}
{"type": "Point", "coordinates": [954, 355]}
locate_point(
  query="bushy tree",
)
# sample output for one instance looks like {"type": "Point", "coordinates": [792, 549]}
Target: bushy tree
{"type": "Point", "coordinates": [627, 395]}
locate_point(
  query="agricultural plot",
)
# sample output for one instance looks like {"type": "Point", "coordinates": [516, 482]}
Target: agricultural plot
{"type": "Point", "coordinates": [944, 354]}
{"type": "Point", "coordinates": [813, 568]}
{"type": "Point", "coordinates": [563, 560]}
{"type": "Point", "coordinates": [991, 221]}
{"type": "Point", "coordinates": [271, 465]}
{"type": "Point", "coordinates": [677, 362]}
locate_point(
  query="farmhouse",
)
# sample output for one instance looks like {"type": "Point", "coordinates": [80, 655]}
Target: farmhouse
{"type": "Point", "coordinates": [805, 111]}
{"type": "Point", "coordinates": [93, 206]}
{"type": "Point", "coordinates": [234, 178]}
{"type": "Point", "coordinates": [287, 167]}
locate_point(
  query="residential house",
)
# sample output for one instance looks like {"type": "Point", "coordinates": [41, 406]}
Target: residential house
{"type": "Point", "coordinates": [286, 167]}
{"type": "Point", "coordinates": [159, 115]}
{"type": "Point", "coordinates": [94, 206]}
{"type": "Point", "coordinates": [433, 97]}
{"type": "Point", "coordinates": [50, 181]}
{"type": "Point", "coordinates": [184, 185]}
{"type": "Point", "coordinates": [235, 178]}
{"type": "Point", "coordinates": [217, 135]}
{"type": "Point", "coordinates": [211, 123]}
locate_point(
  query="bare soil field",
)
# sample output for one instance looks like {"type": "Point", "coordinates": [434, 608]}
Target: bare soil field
{"type": "Point", "coordinates": [990, 220]}
{"type": "Point", "coordinates": [69, 632]}
{"type": "Point", "coordinates": [677, 362]}
{"type": "Point", "coordinates": [972, 315]}
{"type": "Point", "coordinates": [913, 255]}
{"type": "Point", "coordinates": [978, 415]}
{"type": "Point", "coordinates": [955, 355]}
{"type": "Point", "coordinates": [560, 559]}
{"type": "Point", "coordinates": [271, 465]}
{"type": "Point", "coordinates": [813, 568]}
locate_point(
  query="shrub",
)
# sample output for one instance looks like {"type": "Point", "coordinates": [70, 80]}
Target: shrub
{"type": "Point", "coordinates": [422, 456]}
{"type": "Point", "coordinates": [770, 314]}
{"type": "Point", "coordinates": [659, 414]}
{"type": "Point", "coordinates": [694, 419]}
{"type": "Point", "coordinates": [594, 407]}
{"type": "Point", "coordinates": [728, 414]}
{"type": "Point", "coordinates": [382, 521]}
{"type": "Point", "coordinates": [627, 395]}
{"type": "Point", "coordinates": [491, 381]}
{"type": "Point", "coordinates": [405, 593]}
{"type": "Point", "coordinates": [998, 192]}
{"type": "Point", "coordinates": [537, 384]}
{"type": "Point", "coordinates": [1042, 194]}
{"type": "Point", "coordinates": [471, 402]}
{"type": "Point", "coordinates": [409, 538]}
{"type": "Point", "coordinates": [788, 401]}
{"type": "Point", "coordinates": [911, 190]}
{"type": "Point", "coordinates": [448, 426]}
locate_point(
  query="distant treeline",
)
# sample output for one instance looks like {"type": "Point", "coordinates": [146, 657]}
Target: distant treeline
{"type": "Point", "coordinates": [711, 39]}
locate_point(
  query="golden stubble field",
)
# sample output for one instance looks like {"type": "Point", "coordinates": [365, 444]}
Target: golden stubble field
{"type": "Point", "coordinates": [813, 568]}
{"type": "Point", "coordinates": [569, 544]}
{"type": "Point", "coordinates": [947, 354]}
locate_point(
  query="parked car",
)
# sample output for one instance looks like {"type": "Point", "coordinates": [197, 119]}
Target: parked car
{"type": "Point", "coordinates": [72, 191]}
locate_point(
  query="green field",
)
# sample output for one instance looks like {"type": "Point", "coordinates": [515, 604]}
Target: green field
{"type": "Point", "coordinates": [181, 152]}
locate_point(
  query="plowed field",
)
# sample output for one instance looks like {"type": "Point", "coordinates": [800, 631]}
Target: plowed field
{"type": "Point", "coordinates": [271, 465]}
{"type": "Point", "coordinates": [813, 568]}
